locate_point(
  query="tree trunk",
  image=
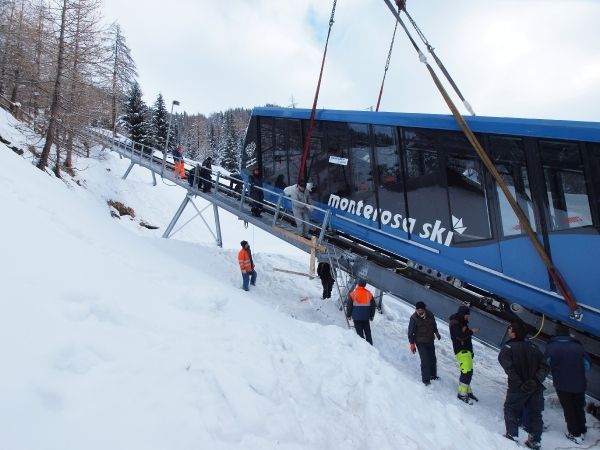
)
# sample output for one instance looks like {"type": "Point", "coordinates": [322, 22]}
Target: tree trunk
{"type": "Point", "coordinates": [54, 107]}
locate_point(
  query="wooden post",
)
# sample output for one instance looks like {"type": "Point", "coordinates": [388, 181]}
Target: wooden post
{"type": "Point", "coordinates": [313, 255]}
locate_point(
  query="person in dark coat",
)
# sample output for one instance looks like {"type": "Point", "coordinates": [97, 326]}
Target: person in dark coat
{"type": "Point", "coordinates": [422, 331]}
{"type": "Point", "coordinates": [327, 275]}
{"type": "Point", "coordinates": [205, 183]}
{"type": "Point", "coordinates": [460, 333]}
{"type": "Point", "coordinates": [526, 368]}
{"type": "Point", "coordinates": [361, 306]}
{"type": "Point", "coordinates": [568, 362]}
{"type": "Point", "coordinates": [256, 192]}
{"type": "Point", "coordinates": [280, 182]}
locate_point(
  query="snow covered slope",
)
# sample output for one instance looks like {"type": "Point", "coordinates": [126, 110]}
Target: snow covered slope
{"type": "Point", "coordinates": [112, 338]}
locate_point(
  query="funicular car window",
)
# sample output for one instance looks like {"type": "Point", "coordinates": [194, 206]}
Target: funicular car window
{"type": "Point", "coordinates": [363, 187]}
{"type": "Point", "coordinates": [338, 142]}
{"type": "Point", "coordinates": [266, 146]}
{"type": "Point", "coordinates": [280, 152]}
{"type": "Point", "coordinates": [317, 163]}
{"type": "Point", "coordinates": [427, 197]}
{"type": "Point", "coordinates": [508, 155]}
{"type": "Point", "coordinates": [466, 189]}
{"type": "Point", "coordinates": [595, 169]}
{"type": "Point", "coordinates": [294, 149]}
{"type": "Point", "coordinates": [566, 188]}
{"type": "Point", "coordinates": [389, 174]}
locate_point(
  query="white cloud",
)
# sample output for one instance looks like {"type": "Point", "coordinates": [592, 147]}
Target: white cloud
{"type": "Point", "coordinates": [528, 58]}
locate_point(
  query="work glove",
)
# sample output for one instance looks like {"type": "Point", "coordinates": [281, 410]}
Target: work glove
{"type": "Point", "coordinates": [437, 335]}
{"type": "Point", "coordinates": [529, 386]}
{"type": "Point", "coordinates": [413, 348]}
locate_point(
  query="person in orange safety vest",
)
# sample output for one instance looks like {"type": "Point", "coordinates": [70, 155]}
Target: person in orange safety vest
{"type": "Point", "coordinates": [361, 306]}
{"type": "Point", "coordinates": [246, 266]}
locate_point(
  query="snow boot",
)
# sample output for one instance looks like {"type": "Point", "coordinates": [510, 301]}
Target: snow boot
{"type": "Point", "coordinates": [530, 443]}
{"type": "Point", "coordinates": [577, 439]}
{"type": "Point", "coordinates": [464, 398]}
{"type": "Point", "coordinates": [472, 396]}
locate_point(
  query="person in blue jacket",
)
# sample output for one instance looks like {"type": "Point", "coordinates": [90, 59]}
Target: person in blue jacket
{"type": "Point", "coordinates": [568, 362]}
{"type": "Point", "coordinates": [360, 306]}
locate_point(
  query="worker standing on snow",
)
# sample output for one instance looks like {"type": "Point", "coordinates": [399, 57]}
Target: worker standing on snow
{"type": "Point", "coordinates": [361, 306]}
{"type": "Point", "coordinates": [422, 331]}
{"type": "Point", "coordinates": [526, 368]}
{"type": "Point", "coordinates": [246, 266]}
{"type": "Point", "coordinates": [463, 349]}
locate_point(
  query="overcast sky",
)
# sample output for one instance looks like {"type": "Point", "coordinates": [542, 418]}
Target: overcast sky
{"type": "Point", "coordinates": [518, 58]}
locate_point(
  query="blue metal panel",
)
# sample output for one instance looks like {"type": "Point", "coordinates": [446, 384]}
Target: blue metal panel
{"type": "Point", "coordinates": [550, 129]}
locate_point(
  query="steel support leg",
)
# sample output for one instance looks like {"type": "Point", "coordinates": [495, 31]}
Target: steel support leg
{"type": "Point", "coordinates": [176, 217]}
{"type": "Point", "coordinates": [128, 170]}
{"type": "Point", "coordinates": [218, 225]}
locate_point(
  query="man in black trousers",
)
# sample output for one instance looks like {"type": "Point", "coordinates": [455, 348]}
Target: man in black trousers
{"type": "Point", "coordinates": [526, 368]}
{"type": "Point", "coordinates": [422, 330]}
{"type": "Point", "coordinates": [568, 362]}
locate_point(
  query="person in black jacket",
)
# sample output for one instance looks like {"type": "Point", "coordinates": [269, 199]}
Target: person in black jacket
{"type": "Point", "coordinates": [422, 330]}
{"type": "Point", "coordinates": [568, 362]}
{"type": "Point", "coordinates": [205, 182]}
{"type": "Point", "coordinates": [256, 192]}
{"type": "Point", "coordinates": [460, 333]}
{"type": "Point", "coordinates": [327, 275]}
{"type": "Point", "coordinates": [526, 368]}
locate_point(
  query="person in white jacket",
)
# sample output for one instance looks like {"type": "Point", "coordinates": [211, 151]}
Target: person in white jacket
{"type": "Point", "coordinates": [300, 195]}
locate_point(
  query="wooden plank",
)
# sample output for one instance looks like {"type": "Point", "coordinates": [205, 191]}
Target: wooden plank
{"type": "Point", "coordinates": [294, 236]}
{"type": "Point", "coordinates": [293, 272]}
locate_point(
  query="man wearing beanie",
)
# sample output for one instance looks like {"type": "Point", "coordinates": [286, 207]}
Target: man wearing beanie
{"type": "Point", "coordinates": [422, 330]}
{"type": "Point", "coordinates": [524, 364]}
{"type": "Point", "coordinates": [460, 333]}
{"type": "Point", "coordinates": [246, 266]}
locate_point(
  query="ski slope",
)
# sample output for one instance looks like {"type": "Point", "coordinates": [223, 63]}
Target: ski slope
{"type": "Point", "coordinates": [113, 338]}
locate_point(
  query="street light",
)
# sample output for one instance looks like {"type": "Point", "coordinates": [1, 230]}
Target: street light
{"type": "Point", "coordinates": [162, 171]}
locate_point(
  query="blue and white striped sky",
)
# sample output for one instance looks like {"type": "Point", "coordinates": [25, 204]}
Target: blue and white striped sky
{"type": "Point", "coordinates": [517, 58]}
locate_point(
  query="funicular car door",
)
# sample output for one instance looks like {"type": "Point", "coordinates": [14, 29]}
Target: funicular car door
{"type": "Point", "coordinates": [520, 261]}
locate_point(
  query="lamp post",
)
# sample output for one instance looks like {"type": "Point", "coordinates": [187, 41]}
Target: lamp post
{"type": "Point", "coordinates": [162, 171]}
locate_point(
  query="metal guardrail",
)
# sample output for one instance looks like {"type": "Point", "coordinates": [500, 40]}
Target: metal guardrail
{"type": "Point", "coordinates": [152, 159]}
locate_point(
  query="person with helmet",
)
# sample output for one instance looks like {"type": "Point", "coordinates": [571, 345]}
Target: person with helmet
{"type": "Point", "coordinates": [246, 266]}
{"type": "Point", "coordinates": [422, 331]}
{"type": "Point", "coordinates": [360, 307]}
{"type": "Point", "coordinates": [460, 333]}
{"type": "Point", "coordinates": [300, 195]}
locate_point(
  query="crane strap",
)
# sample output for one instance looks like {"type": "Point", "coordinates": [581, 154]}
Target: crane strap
{"type": "Point", "coordinates": [387, 66]}
{"type": "Point", "coordinates": [439, 63]}
{"type": "Point", "coordinates": [301, 174]}
{"type": "Point", "coordinates": [559, 282]}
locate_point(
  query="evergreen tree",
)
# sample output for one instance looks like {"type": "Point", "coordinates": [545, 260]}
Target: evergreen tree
{"type": "Point", "coordinates": [228, 144]}
{"type": "Point", "coordinates": [160, 123]}
{"type": "Point", "coordinates": [121, 67]}
{"type": "Point", "coordinates": [135, 117]}
{"type": "Point", "coordinates": [213, 150]}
